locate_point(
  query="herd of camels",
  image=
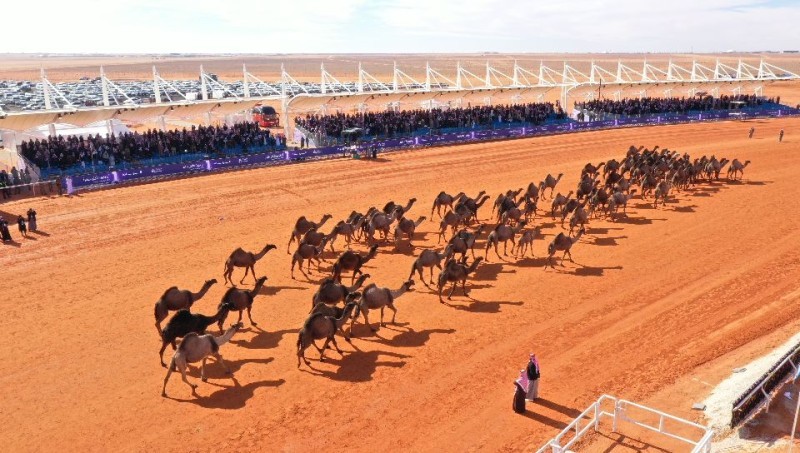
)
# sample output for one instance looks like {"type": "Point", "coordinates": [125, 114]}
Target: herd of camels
{"type": "Point", "coordinates": [603, 190]}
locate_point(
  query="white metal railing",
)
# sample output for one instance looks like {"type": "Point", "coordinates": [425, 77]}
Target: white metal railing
{"type": "Point", "coordinates": [590, 418]}
{"type": "Point", "coordinates": [763, 380]}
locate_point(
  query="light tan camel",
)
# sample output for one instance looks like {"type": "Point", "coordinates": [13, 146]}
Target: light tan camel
{"type": "Point", "coordinates": [240, 258]}
{"type": "Point", "coordinates": [239, 300]}
{"type": "Point", "coordinates": [503, 233]}
{"type": "Point", "coordinates": [450, 220]}
{"type": "Point", "coordinates": [176, 299]}
{"type": "Point", "coordinates": [374, 298]}
{"type": "Point", "coordinates": [525, 243]}
{"type": "Point", "coordinates": [564, 243]}
{"type": "Point", "coordinates": [455, 272]}
{"type": "Point", "coordinates": [319, 326]}
{"type": "Point", "coordinates": [662, 192]}
{"type": "Point", "coordinates": [427, 258]}
{"type": "Point", "coordinates": [194, 348]}
{"type": "Point", "coordinates": [406, 227]}
{"type": "Point", "coordinates": [301, 226]}
{"type": "Point", "coordinates": [183, 322]}
{"type": "Point", "coordinates": [619, 199]}
{"type": "Point", "coordinates": [559, 202]}
{"type": "Point", "coordinates": [737, 167]}
{"type": "Point", "coordinates": [401, 210]}
{"type": "Point", "coordinates": [382, 222]}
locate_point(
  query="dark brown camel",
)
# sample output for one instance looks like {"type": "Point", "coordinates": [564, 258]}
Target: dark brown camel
{"type": "Point", "coordinates": [183, 322]}
{"type": "Point", "coordinates": [301, 226]}
{"type": "Point", "coordinates": [549, 183]}
{"type": "Point", "coordinates": [308, 252]}
{"type": "Point", "coordinates": [331, 292]}
{"type": "Point", "coordinates": [503, 233]}
{"type": "Point", "coordinates": [239, 300]}
{"type": "Point", "coordinates": [319, 326]}
{"type": "Point", "coordinates": [455, 272]}
{"type": "Point", "coordinates": [406, 227]}
{"type": "Point", "coordinates": [176, 299]}
{"type": "Point", "coordinates": [443, 199]}
{"type": "Point", "coordinates": [240, 258]}
{"type": "Point", "coordinates": [352, 261]}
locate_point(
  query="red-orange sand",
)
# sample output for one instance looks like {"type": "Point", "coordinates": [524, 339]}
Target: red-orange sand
{"type": "Point", "coordinates": [650, 306]}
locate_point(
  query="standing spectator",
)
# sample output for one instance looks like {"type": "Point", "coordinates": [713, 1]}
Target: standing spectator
{"type": "Point", "coordinates": [23, 230]}
{"type": "Point", "coordinates": [780, 136]}
{"type": "Point", "coordinates": [752, 131]}
{"type": "Point", "coordinates": [32, 220]}
{"type": "Point", "coordinates": [533, 373]}
{"type": "Point", "coordinates": [519, 392]}
{"type": "Point", "coordinates": [6, 235]}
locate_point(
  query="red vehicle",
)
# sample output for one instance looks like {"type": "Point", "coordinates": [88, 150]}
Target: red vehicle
{"type": "Point", "coordinates": [266, 116]}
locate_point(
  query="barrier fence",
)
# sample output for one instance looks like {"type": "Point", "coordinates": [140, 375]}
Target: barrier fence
{"type": "Point", "coordinates": [759, 394]}
{"type": "Point", "coordinates": [590, 419]}
{"type": "Point", "coordinates": [87, 181]}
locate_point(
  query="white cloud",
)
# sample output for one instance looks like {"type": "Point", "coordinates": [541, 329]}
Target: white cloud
{"type": "Point", "coordinates": [323, 26]}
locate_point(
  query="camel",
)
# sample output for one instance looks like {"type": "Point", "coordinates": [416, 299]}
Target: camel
{"type": "Point", "coordinates": [238, 300]}
{"type": "Point", "coordinates": [503, 233]}
{"type": "Point", "coordinates": [301, 226]}
{"type": "Point", "coordinates": [512, 216]}
{"type": "Point", "coordinates": [334, 311]}
{"type": "Point", "coordinates": [240, 258]}
{"type": "Point", "coordinates": [472, 204]}
{"type": "Point", "coordinates": [662, 191]}
{"type": "Point", "coordinates": [462, 242]}
{"type": "Point", "coordinates": [194, 348]}
{"type": "Point", "coordinates": [175, 299]}
{"type": "Point", "coordinates": [525, 243]}
{"type": "Point", "coordinates": [579, 217]}
{"type": "Point", "coordinates": [504, 201]}
{"type": "Point", "coordinates": [598, 198]}
{"type": "Point", "coordinates": [348, 229]}
{"type": "Point", "coordinates": [406, 227]}
{"type": "Point", "coordinates": [184, 322]}
{"type": "Point", "coordinates": [313, 237]}
{"type": "Point", "coordinates": [564, 243]}
{"type": "Point", "coordinates": [450, 219]}
{"type": "Point", "coordinates": [586, 186]}
{"type": "Point", "coordinates": [319, 326]}
{"type": "Point", "coordinates": [374, 297]}
{"type": "Point", "coordinates": [443, 199]}
{"type": "Point", "coordinates": [549, 183]}
{"type": "Point", "coordinates": [611, 166]}
{"type": "Point", "coordinates": [380, 221]}
{"type": "Point", "coordinates": [619, 199]}
{"type": "Point", "coordinates": [308, 252]}
{"type": "Point", "coordinates": [352, 261]}
{"type": "Point", "coordinates": [532, 192]}
{"type": "Point", "coordinates": [455, 272]}
{"type": "Point", "coordinates": [400, 210]}
{"type": "Point", "coordinates": [430, 259]}
{"type": "Point", "coordinates": [737, 167]}
{"type": "Point", "coordinates": [331, 292]}
{"type": "Point", "coordinates": [530, 209]}
{"type": "Point", "coordinates": [590, 169]}
{"type": "Point", "coordinates": [559, 202]}
{"type": "Point", "coordinates": [714, 167]}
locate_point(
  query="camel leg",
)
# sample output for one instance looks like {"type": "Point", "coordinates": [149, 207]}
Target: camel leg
{"type": "Point", "coordinates": [432, 282]}
{"type": "Point", "coordinates": [249, 316]}
{"type": "Point", "coordinates": [203, 370]}
{"type": "Point", "coordinates": [464, 287]}
{"type": "Point", "coordinates": [366, 320]}
{"type": "Point", "coordinates": [453, 288]}
{"type": "Point", "coordinates": [335, 345]}
{"type": "Point", "coordinates": [166, 378]}
{"type": "Point", "coordinates": [382, 324]}
{"type": "Point", "coordinates": [253, 271]}
{"type": "Point", "coordinates": [158, 326]}
{"type": "Point", "coordinates": [182, 368]}
{"type": "Point", "coordinates": [291, 239]}
{"type": "Point", "coordinates": [218, 357]}
{"type": "Point", "coordinates": [246, 270]}
{"type": "Point", "coordinates": [394, 313]}
{"type": "Point", "coordinates": [164, 344]}
{"type": "Point", "coordinates": [324, 347]}
{"type": "Point", "coordinates": [441, 286]}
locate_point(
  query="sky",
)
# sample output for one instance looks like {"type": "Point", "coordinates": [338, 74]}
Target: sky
{"type": "Point", "coordinates": [398, 26]}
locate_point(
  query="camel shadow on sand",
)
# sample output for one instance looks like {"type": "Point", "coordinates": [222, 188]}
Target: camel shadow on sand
{"type": "Point", "coordinates": [490, 271]}
{"type": "Point", "coordinates": [230, 397]}
{"type": "Point", "coordinates": [408, 338]}
{"type": "Point", "coordinates": [597, 230]}
{"type": "Point", "coordinates": [607, 241]}
{"type": "Point", "coordinates": [267, 290]}
{"type": "Point", "coordinates": [589, 271]}
{"type": "Point", "coordinates": [477, 306]}
{"type": "Point", "coordinates": [262, 339]}
{"type": "Point", "coordinates": [11, 243]}
{"type": "Point", "coordinates": [620, 442]}
{"type": "Point", "coordinates": [531, 262]}
{"type": "Point", "coordinates": [215, 372]}
{"type": "Point", "coordinates": [356, 367]}
{"type": "Point", "coordinates": [40, 233]}
{"type": "Point", "coordinates": [637, 220]}
{"type": "Point", "coordinates": [689, 208]}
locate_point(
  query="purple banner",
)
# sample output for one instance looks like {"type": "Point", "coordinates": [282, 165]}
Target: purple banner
{"type": "Point", "coordinates": [161, 170]}
{"type": "Point", "coordinates": [92, 180]}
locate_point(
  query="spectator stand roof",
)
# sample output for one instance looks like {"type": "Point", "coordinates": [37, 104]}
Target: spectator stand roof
{"type": "Point", "coordinates": [218, 99]}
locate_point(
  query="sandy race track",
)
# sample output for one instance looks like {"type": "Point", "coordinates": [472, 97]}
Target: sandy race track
{"type": "Point", "coordinates": [651, 302]}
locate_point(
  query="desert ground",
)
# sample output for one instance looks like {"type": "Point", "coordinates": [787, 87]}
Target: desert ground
{"type": "Point", "coordinates": [657, 307]}
{"type": "Point", "coordinates": [306, 67]}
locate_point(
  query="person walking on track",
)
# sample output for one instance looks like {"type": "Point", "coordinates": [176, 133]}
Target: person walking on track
{"type": "Point", "coordinates": [780, 136]}
{"type": "Point", "coordinates": [752, 131]}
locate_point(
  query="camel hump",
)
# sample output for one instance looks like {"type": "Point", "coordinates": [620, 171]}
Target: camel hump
{"type": "Point", "coordinates": [186, 339]}
{"type": "Point", "coordinates": [225, 296]}
{"type": "Point", "coordinates": [171, 288]}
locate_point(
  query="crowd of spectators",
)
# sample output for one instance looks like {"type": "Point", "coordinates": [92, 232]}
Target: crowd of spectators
{"type": "Point", "coordinates": [643, 106]}
{"type": "Point", "coordinates": [67, 151]}
{"type": "Point", "coordinates": [391, 123]}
